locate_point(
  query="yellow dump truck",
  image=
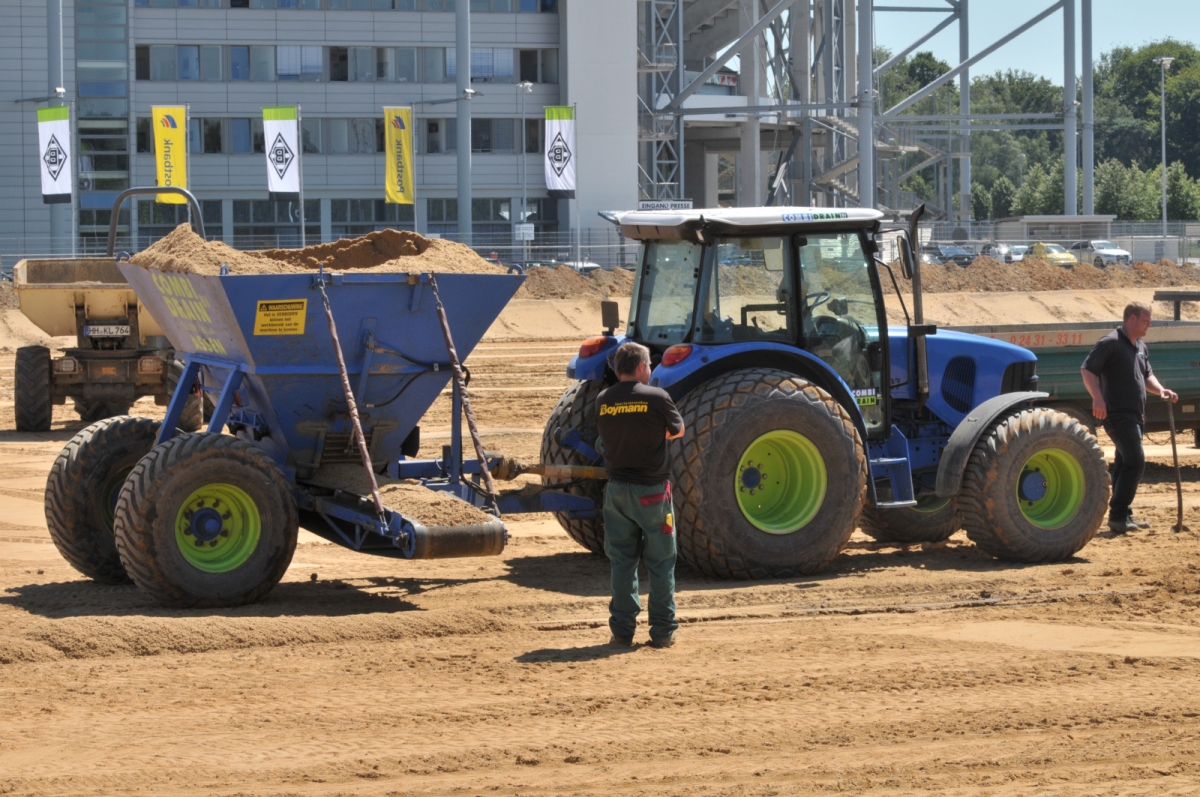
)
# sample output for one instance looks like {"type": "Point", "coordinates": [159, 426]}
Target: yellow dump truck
{"type": "Point", "coordinates": [120, 354]}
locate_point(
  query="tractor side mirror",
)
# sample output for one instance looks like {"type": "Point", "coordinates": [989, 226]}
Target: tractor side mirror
{"type": "Point", "coordinates": [610, 316]}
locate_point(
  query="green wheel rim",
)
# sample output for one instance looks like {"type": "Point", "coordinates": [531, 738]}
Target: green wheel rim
{"type": "Point", "coordinates": [929, 504]}
{"type": "Point", "coordinates": [1050, 488]}
{"type": "Point", "coordinates": [780, 482]}
{"type": "Point", "coordinates": [217, 528]}
{"type": "Point", "coordinates": [110, 494]}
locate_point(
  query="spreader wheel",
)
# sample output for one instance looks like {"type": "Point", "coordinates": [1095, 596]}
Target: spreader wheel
{"type": "Point", "coordinates": [206, 520]}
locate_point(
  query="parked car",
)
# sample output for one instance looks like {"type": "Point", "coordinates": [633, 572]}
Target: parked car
{"type": "Point", "coordinates": [1005, 253]}
{"type": "Point", "coordinates": [1052, 253]}
{"type": "Point", "coordinates": [1100, 253]}
{"type": "Point", "coordinates": [583, 266]}
{"type": "Point", "coordinates": [946, 253]}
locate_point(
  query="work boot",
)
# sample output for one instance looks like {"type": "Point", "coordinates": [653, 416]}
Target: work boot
{"type": "Point", "coordinates": [1122, 525]}
{"type": "Point", "coordinates": [621, 641]}
{"type": "Point", "coordinates": [1141, 524]}
{"type": "Point", "coordinates": [665, 642]}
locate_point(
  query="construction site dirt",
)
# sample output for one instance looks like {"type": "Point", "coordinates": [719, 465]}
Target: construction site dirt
{"type": "Point", "coordinates": [899, 670]}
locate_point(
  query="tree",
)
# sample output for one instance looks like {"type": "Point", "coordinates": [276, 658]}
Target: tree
{"type": "Point", "coordinates": [924, 68]}
{"type": "Point", "coordinates": [1003, 194]}
{"type": "Point", "coordinates": [1124, 191]}
{"type": "Point", "coordinates": [981, 202]}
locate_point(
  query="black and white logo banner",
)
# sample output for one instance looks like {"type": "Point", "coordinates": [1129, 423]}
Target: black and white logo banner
{"type": "Point", "coordinates": [560, 151]}
{"type": "Point", "coordinates": [283, 153]}
{"type": "Point", "coordinates": [54, 153]}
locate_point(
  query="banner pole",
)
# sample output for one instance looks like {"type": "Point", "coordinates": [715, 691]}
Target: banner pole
{"type": "Point", "coordinates": [578, 221]}
{"type": "Point", "coordinates": [187, 172]}
{"type": "Point", "coordinates": [300, 174]}
{"type": "Point", "coordinates": [74, 182]}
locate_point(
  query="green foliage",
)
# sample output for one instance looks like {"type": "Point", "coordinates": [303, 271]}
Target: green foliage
{"type": "Point", "coordinates": [1003, 195]}
{"type": "Point", "coordinates": [981, 202]}
{"type": "Point", "coordinates": [1125, 191]}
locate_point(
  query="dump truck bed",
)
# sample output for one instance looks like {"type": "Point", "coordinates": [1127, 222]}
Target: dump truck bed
{"type": "Point", "coordinates": [50, 290]}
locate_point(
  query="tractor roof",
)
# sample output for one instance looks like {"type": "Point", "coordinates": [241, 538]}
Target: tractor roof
{"type": "Point", "coordinates": [683, 224]}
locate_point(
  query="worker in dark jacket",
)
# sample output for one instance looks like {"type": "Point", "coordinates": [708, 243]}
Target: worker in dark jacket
{"type": "Point", "coordinates": [1117, 374]}
{"type": "Point", "coordinates": [635, 422]}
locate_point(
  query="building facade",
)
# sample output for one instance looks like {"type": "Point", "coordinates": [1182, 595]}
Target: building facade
{"type": "Point", "coordinates": [341, 62]}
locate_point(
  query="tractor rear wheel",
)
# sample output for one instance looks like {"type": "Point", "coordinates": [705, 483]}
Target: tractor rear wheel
{"type": "Point", "coordinates": [31, 393]}
{"type": "Point", "coordinates": [1035, 488]}
{"type": "Point", "coordinates": [576, 410]}
{"type": "Point", "coordinates": [81, 493]}
{"type": "Point", "coordinates": [206, 520]}
{"type": "Point", "coordinates": [933, 519]}
{"type": "Point", "coordinates": [92, 411]}
{"type": "Point", "coordinates": [770, 476]}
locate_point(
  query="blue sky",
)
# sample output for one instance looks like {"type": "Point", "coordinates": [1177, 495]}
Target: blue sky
{"type": "Point", "coordinates": [1039, 50]}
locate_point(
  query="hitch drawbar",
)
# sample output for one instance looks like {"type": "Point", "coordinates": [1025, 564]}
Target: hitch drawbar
{"type": "Point", "coordinates": [507, 469]}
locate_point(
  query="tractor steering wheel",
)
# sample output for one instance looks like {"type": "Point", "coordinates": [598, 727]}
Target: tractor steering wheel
{"type": "Point", "coordinates": [816, 299]}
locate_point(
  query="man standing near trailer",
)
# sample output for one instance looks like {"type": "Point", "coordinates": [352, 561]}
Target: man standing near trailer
{"type": "Point", "coordinates": [635, 422]}
{"type": "Point", "coordinates": [1117, 374]}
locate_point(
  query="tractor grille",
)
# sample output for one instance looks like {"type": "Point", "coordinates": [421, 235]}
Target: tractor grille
{"type": "Point", "coordinates": [340, 449]}
{"type": "Point", "coordinates": [958, 384]}
{"type": "Point", "coordinates": [1019, 376]}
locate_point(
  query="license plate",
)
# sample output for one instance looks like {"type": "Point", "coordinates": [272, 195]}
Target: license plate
{"type": "Point", "coordinates": [107, 331]}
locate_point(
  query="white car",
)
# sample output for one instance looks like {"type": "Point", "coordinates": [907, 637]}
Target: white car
{"type": "Point", "coordinates": [1100, 253]}
{"type": "Point", "coordinates": [584, 267]}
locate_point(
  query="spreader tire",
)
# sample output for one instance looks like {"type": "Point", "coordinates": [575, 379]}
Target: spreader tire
{"type": "Point", "coordinates": [576, 410]}
{"type": "Point", "coordinates": [206, 520]}
{"type": "Point", "coordinates": [770, 476]}
{"type": "Point", "coordinates": [1035, 489]}
{"type": "Point", "coordinates": [82, 490]}
{"type": "Point", "coordinates": [92, 411]}
{"type": "Point", "coordinates": [192, 419]}
{"type": "Point", "coordinates": [933, 519]}
{"type": "Point", "coordinates": [31, 391]}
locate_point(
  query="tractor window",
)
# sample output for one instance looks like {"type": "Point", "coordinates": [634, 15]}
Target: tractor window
{"type": "Point", "coordinates": [748, 292]}
{"type": "Point", "coordinates": [840, 322]}
{"type": "Point", "coordinates": [667, 291]}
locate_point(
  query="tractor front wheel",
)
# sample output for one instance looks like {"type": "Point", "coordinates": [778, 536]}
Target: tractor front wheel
{"type": "Point", "coordinates": [933, 519]}
{"type": "Point", "coordinates": [1035, 489]}
{"type": "Point", "coordinates": [770, 476]}
{"type": "Point", "coordinates": [206, 520]}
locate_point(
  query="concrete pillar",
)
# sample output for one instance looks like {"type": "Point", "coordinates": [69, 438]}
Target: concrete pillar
{"type": "Point", "coordinates": [866, 105]}
{"type": "Point", "coordinates": [1089, 120]}
{"type": "Point", "coordinates": [749, 167]}
{"type": "Point", "coordinates": [964, 108]}
{"type": "Point", "coordinates": [60, 214]}
{"type": "Point", "coordinates": [1070, 154]}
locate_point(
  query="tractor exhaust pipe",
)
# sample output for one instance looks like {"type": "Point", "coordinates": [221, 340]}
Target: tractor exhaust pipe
{"type": "Point", "coordinates": [918, 330]}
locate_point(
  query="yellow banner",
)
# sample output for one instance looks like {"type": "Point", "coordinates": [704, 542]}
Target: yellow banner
{"type": "Point", "coordinates": [170, 149]}
{"type": "Point", "coordinates": [399, 172]}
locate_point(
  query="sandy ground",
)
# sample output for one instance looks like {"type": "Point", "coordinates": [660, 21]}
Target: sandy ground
{"type": "Point", "coordinates": [897, 672]}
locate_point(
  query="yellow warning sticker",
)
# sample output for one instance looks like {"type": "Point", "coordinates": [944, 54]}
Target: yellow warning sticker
{"type": "Point", "coordinates": [281, 317]}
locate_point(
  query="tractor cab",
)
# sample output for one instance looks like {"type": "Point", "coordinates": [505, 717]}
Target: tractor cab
{"type": "Point", "coordinates": [745, 278]}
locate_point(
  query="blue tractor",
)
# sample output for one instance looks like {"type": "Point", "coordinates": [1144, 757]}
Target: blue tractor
{"type": "Point", "coordinates": [809, 416]}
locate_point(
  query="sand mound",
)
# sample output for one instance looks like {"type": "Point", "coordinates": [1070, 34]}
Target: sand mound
{"type": "Point", "coordinates": [564, 282]}
{"type": "Point", "coordinates": [1034, 274]}
{"type": "Point", "coordinates": [408, 497]}
{"type": "Point", "coordinates": [383, 251]}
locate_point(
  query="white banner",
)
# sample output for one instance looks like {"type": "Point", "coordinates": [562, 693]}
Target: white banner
{"type": "Point", "coordinates": [283, 153]}
{"type": "Point", "coordinates": [54, 152]}
{"type": "Point", "coordinates": [560, 151]}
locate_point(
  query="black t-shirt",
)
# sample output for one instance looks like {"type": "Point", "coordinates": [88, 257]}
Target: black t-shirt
{"type": "Point", "coordinates": [633, 422]}
{"type": "Point", "coordinates": [1123, 368]}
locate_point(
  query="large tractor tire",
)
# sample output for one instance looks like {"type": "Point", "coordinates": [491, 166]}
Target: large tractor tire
{"type": "Point", "coordinates": [92, 411]}
{"type": "Point", "coordinates": [576, 410]}
{"type": "Point", "coordinates": [770, 476]}
{"type": "Point", "coordinates": [82, 490]}
{"type": "Point", "coordinates": [206, 520]}
{"type": "Point", "coordinates": [1035, 489]}
{"type": "Point", "coordinates": [31, 391]}
{"type": "Point", "coordinates": [933, 519]}
{"type": "Point", "coordinates": [192, 418]}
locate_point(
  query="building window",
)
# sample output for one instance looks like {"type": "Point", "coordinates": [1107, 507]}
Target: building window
{"type": "Point", "coordinates": [262, 62]}
{"type": "Point", "coordinates": [442, 210]}
{"type": "Point", "coordinates": [257, 135]}
{"type": "Point", "coordinates": [491, 135]}
{"type": "Point", "coordinates": [494, 6]}
{"type": "Point", "coordinates": [549, 66]}
{"type": "Point", "coordinates": [350, 136]}
{"type": "Point", "coordinates": [362, 64]}
{"type": "Point", "coordinates": [194, 138]}
{"type": "Point", "coordinates": [210, 63]}
{"type": "Point", "coordinates": [434, 64]}
{"type": "Point", "coordinates": [350, 217]}
{"type": "Point", "coordinates": [293, 62]}
{"type": "Point", "coordinates": [488, 64]}
{"type": "Point", "coordinates": [156, 220]}
{"type": "Point", "coordinates": [145, 135]}
{"type": "Point", "coordinates": [533, 136]}
{"type": "Point", "coordinates": [406, 65]}
{"type": "Point", "coordinates": [162, 62]}
{"type": "Point", "coordinates": [534, 6]}
{"type": "Point", "coordinates": [434, 142]}
{"type": "Point", "coordinates": [385, 64]}
{"type": "Point", "coordinates": [261, 224]}
{"type": "Point", "coordinates": [141, 62]}
{"type": "Point", "coordinates": [339, 63]}
{"type": "Point", "coordinates": [239, 62]}
{"type": "Point", "coordinates": [214, 139]}
{"type": "Point", "coordinates": [490, 209]}
{"type": "Point", "coordinates": [239, 137]}
{"type": "Point", "coordinates": [310, 134]}
{"type": "Point", "coordinates": [103, 155]}
{"type": "Point", "coordinates": [189, 62]}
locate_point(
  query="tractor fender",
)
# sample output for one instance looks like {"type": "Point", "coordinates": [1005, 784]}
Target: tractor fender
{"type": "Point", "coordinates": [966, 435]}
{"type": "Point", "coordinates": [707, 362]}
{"type": "Point", "coordinates": [593, 367]}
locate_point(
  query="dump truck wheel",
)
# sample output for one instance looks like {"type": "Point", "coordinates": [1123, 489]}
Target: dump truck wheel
{"type": "Point", "coordinates": [92, 411]}
{"type": "Point", "coordinates": [192, 419]}
{"type": "Point", "coordinates": [31, 397]}
{"type": "Point", "coordinates": [576, 410]}
{"type": "Point", "coordinates": [1035, 488]}
{"type": "Point", "coordinates": [770, 476]}
{"type": "Point", "coordinates": [933, 519]}
{"type": "Point", "coordinates": [82, 490]}
{"type": "Point", "coordinates": [206, 520]}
